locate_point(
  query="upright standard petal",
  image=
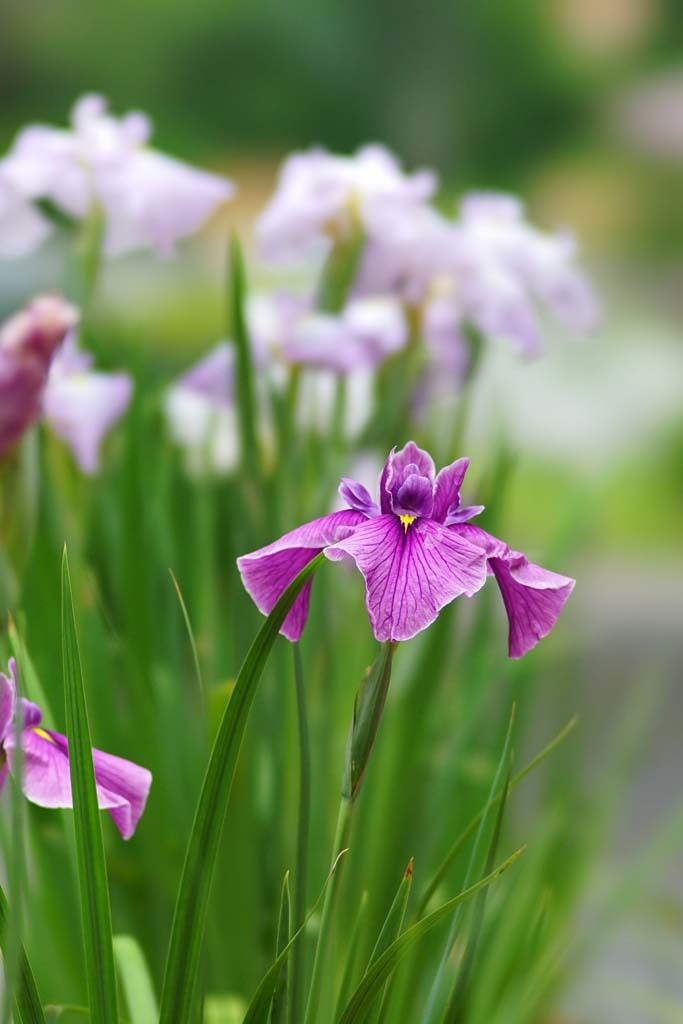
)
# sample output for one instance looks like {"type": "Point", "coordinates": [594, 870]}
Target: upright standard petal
{"type": "Point", "coordinates": [267, 573]}
{"type": "Point", "coordinates": [357, 496]}
{"type": "Point", "coordinates": [152, 201]}
{"type": "Point", "coordinates": [447, 488]}
{"type": "Point", "coordinates": [410, 574]}
{"type": "Point", "coordinates": [322, 196]}
{"type": "Point", "coordinates": [122, 787]}
{"type": "Point", "coordinates": [409, 461]}
{"type": "Point", "coordinates": [533, 596]}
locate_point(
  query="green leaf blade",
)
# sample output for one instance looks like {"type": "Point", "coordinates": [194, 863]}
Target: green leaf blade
{"type": "Point", "coordinates": [361, 1001]}
{"type": "Point", "coordinates": [135, 981]}
{"type": "Point", "coordinates": [26, 999]}
{"type": "Point", "coordinates": [187, 932]}
{"type": "Point", "coordinates": [239, 333]}
{"type": "Point", "coordinates": [92, 872]}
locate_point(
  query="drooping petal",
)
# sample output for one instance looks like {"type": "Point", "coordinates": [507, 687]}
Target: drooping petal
{"type": "Point", "coordinates": [122, 787]}
{"type": "Point", "coordinates": [447, 488]}
{"type": "Point", "coordinates": [267, 573]}
{"type": "Point", "coordinates": [152, 201]}
{"type": "Point", "coordinates": [410, 575]}
{"type": "Point", "coordinates": [82, 408]}
{"type": "Point", "coordinates": [533, 596]}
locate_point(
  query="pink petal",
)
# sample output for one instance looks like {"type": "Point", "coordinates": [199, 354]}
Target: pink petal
{"type": "Point", "coordinates": [267, 573]}
{"type": "Point", "coordinates": [410, 575]}
{"type": "Point", "coordinates": [533, 596]}
{"type": "Point", "coordinates": [447, 488]}
{"type": "Point", "coordinates": [122, 787]}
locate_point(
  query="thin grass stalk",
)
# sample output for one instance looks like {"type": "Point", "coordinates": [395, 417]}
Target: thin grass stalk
{"type": "Point", "coordinates": [501, 770]}
{"type": "Point", "coordinates": [339, 844]}
{"type": "Point", "coordinates": [303, 828]}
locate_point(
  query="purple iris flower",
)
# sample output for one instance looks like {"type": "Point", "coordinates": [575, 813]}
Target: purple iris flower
{"type": "Point", "coordinates": [122, 787]}
{"type": "Point", "coordinates": [417, 552]}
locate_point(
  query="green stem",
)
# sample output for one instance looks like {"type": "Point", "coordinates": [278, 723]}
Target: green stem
{"type": "Point", "coordinates": [464, 401]}
{"type": "Point", "coordinates": [302, 829]}
{"type": "Point", "coordinates": [90, 257]}
{"type": "Point", "coordinates": [325, 933]}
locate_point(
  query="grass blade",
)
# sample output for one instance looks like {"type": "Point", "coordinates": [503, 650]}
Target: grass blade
{"type": "Point", "coordinates": [502, 772]}
{"type": "Point", "coordinates": [280, 1011]}
{"type": "Point", "coordinates": [26, 999]}
{"type": "Point", "coordinates": [303, 827]}
{"type": "Point", "coordinates": [455, 1012]}
{"type": "Point", "coordinates": [352, 956]}
{"type": "Point", "coordinates": [187, 932]}
{"type": "Point", "coordinates": [246, 394]}
{"type": "Point", "coordinates": [469, 829]}
{"type": "Point", "coordinates": [135, 981]}
{"type": "Point", "coordinates": [190, 633]}
{"type": "Point", "coordinates": [391, 929]}
{"type": "Point", "coordinates": [259, 1008]}
{"type": "Point", "coordinates": [364, 996]}
{"type": "Point", "coordinates": [92, 872]}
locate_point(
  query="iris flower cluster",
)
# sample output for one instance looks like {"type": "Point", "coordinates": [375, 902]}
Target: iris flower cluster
{"type": "Point", "coordinates": [418, 278]}
{"type": "Point", "coordinates": [414, 277]}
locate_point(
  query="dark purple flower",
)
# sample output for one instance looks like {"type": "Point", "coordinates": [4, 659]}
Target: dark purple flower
{"type": "Point", "coordinates": [416, 551]}
{"type": "Point", "coordinates": [28, 342]}
{"type": "Point", "coordinates": [122, 787]}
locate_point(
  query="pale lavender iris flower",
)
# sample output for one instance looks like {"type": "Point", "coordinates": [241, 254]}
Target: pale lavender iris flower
{"type": "Point", "coordinates": [150, 200]}
{"type": "Point", "coordinates": [28, 342]}
{"type": "Point", "coordinates": [361, 337]}
{"type": "Point", "coordinates": [488, 266]}
{"type": "Point", "coordinates": [322, 197]}
{"type": "Point", "coordinates": [22, 228]}
{"type": "Point", "coordinates": [81, 405]}
{"type": "Point", "coordinates": [200, 413]}
{"type": "Point", "coordinates": [505, 269]}
{"type": "Point", "coordinates": [417, 552]}
{"type": "Point", "coordinates": [122, 787]}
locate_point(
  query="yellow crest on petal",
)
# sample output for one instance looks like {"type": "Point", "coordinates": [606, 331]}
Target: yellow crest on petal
{"type": "Point", "coordinates": [43, 735]}
{"type": "Point", "coordinates": [407, 520]}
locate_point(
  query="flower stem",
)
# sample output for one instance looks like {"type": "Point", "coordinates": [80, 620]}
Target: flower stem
{"type": "Point", "coordinates": [302, 830]}
{"type": "Point", "coordinates": [367, 713]}
{"type": "Point", "coordinates": [325, 932]}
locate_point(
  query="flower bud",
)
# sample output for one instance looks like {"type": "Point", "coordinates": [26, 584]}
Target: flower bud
{"type": "Point", "coordinates": [367, 713]}
{"type": "Point", "coordinates": [28, 341]}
